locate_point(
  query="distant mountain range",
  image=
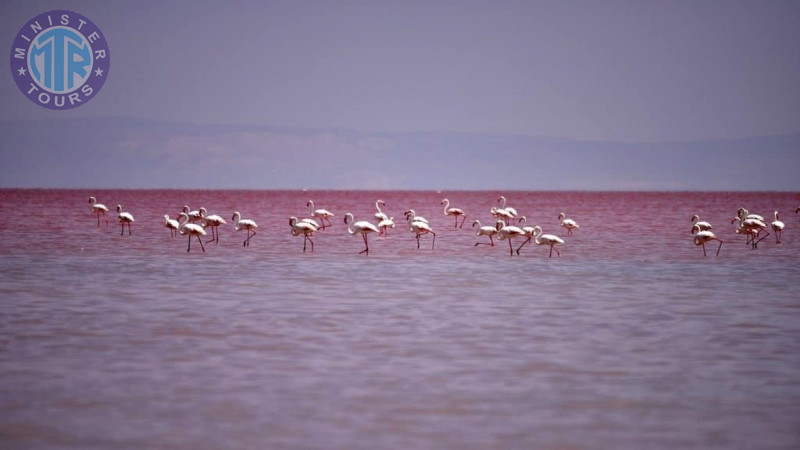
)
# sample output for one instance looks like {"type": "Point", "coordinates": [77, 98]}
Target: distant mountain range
{"type": "Point", "coordinates": [135, 153]}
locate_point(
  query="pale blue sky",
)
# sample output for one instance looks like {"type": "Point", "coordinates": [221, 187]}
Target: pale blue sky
{"type": "Point", "coordinates": [612, 70]}
{"type": "Point", "coordinates": [624, 71]}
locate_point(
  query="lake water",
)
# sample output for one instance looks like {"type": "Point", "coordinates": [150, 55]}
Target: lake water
{"type": "Point", "coordinates": [631, 339]}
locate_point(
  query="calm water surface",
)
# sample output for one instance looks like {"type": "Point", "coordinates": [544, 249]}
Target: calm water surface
{"type": "Point", "coordinates": [631, 339]}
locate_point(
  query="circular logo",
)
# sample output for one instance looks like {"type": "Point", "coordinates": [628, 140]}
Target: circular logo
{"type": "Point", "coordinates": [60, 59]}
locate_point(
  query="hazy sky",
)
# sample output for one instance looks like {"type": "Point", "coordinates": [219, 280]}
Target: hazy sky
{"type": "Point", "coordinates": [629, 71]}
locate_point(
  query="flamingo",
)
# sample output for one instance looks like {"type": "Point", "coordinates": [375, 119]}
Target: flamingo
{"type": "Point", "coordinates": [499, 213]}
{"type": "Point", "coordinates": [569, 224]}
{"type": "Point", "coordinates": [484, 231]}
{"type": "Point", "coordinates": [741, 212]}
{"type": "Point", "coordinates": [506, 232]}
{"type": "Point", "coordinates": [384, 226]}
{"type": "Point", "coordinates": [123, 218]}
{"type": "Point", "coordinates": [703, 236]}
{"type": "Point", "coordinates": [412, 216]}
{"type": "Point", "coordinates": [419, 228]}
{"type": "Point", "coordinates": [191, 229]}
{"type": "Point", "coordinates": [702, 225]}
{"type": "Point", "coordinates": [752, 227]}
{"type": "Point", "coordinates": [240, 224]}
{"type": "Point", "coordinates": [172, 225]}
{"type": "Point", "coordinates": [523, 222]}
{"type": "Point", "coordinates": [380, 215]}
{"type": "Point", "coordinates": [509, 209]}
{"type": "Point", "coordinates": [543, 239]}
{"type": "Point", "coordinates": [455, 212]}
{"type": "Point", "coordinates": [361, 227]}
{"type": "Point", "coordinates": [305, 228]}
{"type": "Point", "coordinates": [99, 209]}
{"type": "Point", "coordinates": [777, 228]}
{"type": "Point", "coordinates": [322, 214]}
{"type": "Point", "coordinates": [194, 216]}
{"type": "Point", "coordinates": [212, 221]}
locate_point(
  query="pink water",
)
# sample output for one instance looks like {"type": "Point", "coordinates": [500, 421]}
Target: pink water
{"type": "Point", "coordinates": [631, 339]}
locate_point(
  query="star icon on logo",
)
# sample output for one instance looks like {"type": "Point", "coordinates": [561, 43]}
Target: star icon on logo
{"type": "Point", "coordinates": [21, 71]}
{"type": "Point", "coordinates": [98, 72]}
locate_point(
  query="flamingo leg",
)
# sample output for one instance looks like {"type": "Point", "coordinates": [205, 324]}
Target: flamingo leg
{"type": "Point", "coordinates": [305, 238]}
{"type": "Point", "coordinates": [523, 244]}
{"type": "Point", "coordinates": [462, 221]}
{"type": "Point", "coordinates": [201, 243]}
{"type": "Point", "coordinates": [720, 246]}
{"type": "Point", "coordinates": [434, 240]}
{"type": "Point", "coordinates": [129, 228]}
{"type": "Point", "coordinates": [510, 249]}
{"type": "Point", "coordinates": [755, 244]}
{"type": "Point", "coordinates": [704, 249]}
{"type": "Point", "coordinates": [189, 247]}
{"type": "Point", "coordinates": [366, 245]}
{"type": "Point", "coordinates": [312, 242]}
{"type": "Point", "coordinates": [553, 247]}
{"type": "Point", "coordinates": [417, 240]}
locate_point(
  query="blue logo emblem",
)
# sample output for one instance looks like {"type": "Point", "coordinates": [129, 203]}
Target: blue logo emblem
{"type": "Point", "coordinates": [60, 59]}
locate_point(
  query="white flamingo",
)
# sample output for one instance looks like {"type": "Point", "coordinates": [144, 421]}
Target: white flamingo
{"type": "Point", "coordinates": [751, 227]}
{"type": "Point", "coordinates": [741, 212]}
{"type": "Point", "coordinates": [361, 227]}
{"type": "Point", "coordinates": [305, 228]}
{"type": "Point", "coordinates": [702, 225]}
{"type": "Point", "coordinates": [569, 224]}
{"type": "Point", "coordinates": [701, 237]}
{"type": "Point", "coordinates": [543, 239]}
{"type": "Point", "coordinates": [123, 218]}
{"type": "Point", "coordinates": [99, 209]}
{"type": "Point", "coordinates": [419, 228]}
{"type": "Point", "coordinates": [172, 225]}
{"type": "Point", "coordinates": [384, 225]}
{"type": "Point", "coordinates": [248, 225]}
{"type": "Point", "coordinates": [194, 216]}
{"type": "Point", "coordinates": [380, 215]}
{"type": "Point", "coordinates": [777, 228]}
{"type": "Point", "coordinates": [484, 231]}
{"type": "Point", "coordinates": [323, 214]}
{"type": "Point", "coordinates": [507, 232]}
{"type": "Point", "coordinates": [190, 229]}
{"type": "Point", "coordinates": [455, 212]}
{"type": "Point", "coordinates": [412, 216]}
{"type": "Point", "coordinates": [499, 213]}
{"type": "Point", "coordinates": [212, 221]}
{"type": "Point", "coordinates": [510, 210]}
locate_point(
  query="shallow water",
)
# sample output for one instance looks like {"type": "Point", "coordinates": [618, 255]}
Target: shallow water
{"type": "Point", "coordinates": [630, 339]}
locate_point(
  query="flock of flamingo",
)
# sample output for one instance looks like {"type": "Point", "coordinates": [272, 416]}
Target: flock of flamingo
{"type": "Point", "coordinates": [195, 223]}
{"type": "Point", "coordinates": [751, 225]}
